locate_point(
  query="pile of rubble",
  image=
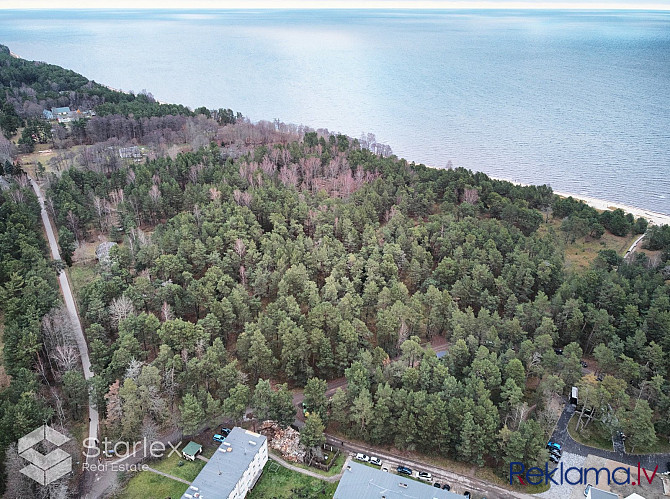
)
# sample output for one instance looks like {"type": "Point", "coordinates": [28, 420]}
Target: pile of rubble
{"type": "Point", "coordinates": [284, 440]}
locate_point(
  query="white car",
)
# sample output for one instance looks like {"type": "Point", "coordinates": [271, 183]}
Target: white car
{"type": "Point", "coordinates": [363, 457]}
{"type": "Point", "coordinates": [376, 461]}
{"type": "Point", "coordinates": [424, 475]}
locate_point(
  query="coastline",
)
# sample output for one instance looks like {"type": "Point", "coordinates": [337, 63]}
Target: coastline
{"type": "Point", "coordinates": [653, 217]}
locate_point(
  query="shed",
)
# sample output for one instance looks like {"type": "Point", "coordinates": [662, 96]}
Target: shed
{"type": "Point", "coordinates": [191, 450]}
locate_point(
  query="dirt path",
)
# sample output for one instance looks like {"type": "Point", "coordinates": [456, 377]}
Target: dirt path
{"type": "Point", "coordinates": [167, 476]}
{"type": "Point", "coordinates": [333, 478]}
{"type": "Point", "coordinates": [68, 298]}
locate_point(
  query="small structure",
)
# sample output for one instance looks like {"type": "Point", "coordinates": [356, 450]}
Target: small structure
{"type": "Point", "coordinates": [130, 153]}
{"type": "Point", "coordinates": [364, 482]}
{"type": "Point", "coordinates": [102, 252]}
{"type": "Point", "coordinates": [48, 115]}
{"type": "Point", "coordinates": [191, 450]}
{"type": "Point", "coordinates": [573, 395]}
{"type": "Point", "coordinates": [233, 469]}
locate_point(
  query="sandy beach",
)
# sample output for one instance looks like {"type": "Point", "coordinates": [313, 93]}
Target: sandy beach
{"type": "Point", "coordinates": [653, 217]}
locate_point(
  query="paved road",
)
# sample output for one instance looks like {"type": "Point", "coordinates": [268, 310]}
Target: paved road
{"type": "Point", "coordinates": [562, 437]}
{"type": "Point", "coordinates": [76, 326]}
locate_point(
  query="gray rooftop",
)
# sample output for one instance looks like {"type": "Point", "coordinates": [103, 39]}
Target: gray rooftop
{"type": "Point", "coordinates": [602, 494]}
{"type": "Point", "coordinates": [224, 469]}
{"type": "Point", "coordinates": [365, 482]}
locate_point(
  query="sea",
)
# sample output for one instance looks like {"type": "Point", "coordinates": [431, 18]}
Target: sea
{"type": "Point", "coordinates": [576, 99]}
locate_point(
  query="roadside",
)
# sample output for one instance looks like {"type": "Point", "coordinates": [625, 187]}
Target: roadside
{"type": "Point", "coordinates": [77, 329]}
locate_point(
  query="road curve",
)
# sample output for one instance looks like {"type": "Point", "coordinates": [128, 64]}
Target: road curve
{"type": "Point", "coordinates": [74, 319]}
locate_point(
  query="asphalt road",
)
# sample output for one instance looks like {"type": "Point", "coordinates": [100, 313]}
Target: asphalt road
{"type": "Point", "coordinates": [68, 298]}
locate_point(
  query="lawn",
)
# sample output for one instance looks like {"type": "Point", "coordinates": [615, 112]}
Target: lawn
{"type": "Point", "coordinates": [595, 434]}
{"type": "Point", "coordinates": [278, 482]}
{"type": "Point", "coordinates": [334, 470]}
{"type": "Point", "coordinates": [147, 484]}
{"type": "Point", "coordinates": [170, 465]}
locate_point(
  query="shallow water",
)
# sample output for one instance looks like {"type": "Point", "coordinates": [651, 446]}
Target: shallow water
{"type": "Point", "coordinates": [575, 99]}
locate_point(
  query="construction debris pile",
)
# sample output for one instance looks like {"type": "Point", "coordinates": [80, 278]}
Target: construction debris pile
{"type": "Point", "coordinates": [284, 440]}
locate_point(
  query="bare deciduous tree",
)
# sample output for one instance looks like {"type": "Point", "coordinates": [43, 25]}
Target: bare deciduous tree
{"type": "Point", "coordinates": [120, 308]}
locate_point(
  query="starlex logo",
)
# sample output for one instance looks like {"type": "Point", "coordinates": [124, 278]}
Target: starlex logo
{"type": "Point", "coordinates": [579, 476]}
{"type": "Point", "coordinates": [48, 468]}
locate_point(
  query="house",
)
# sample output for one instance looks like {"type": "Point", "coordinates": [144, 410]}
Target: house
{"type": "Point", "coordinates": [364, 482]}
{"type": "Point", "coordinates": [60, 111]}
{"type": "Point", "coordinates": [130, 152]}
{"type": "Point", "coordinates": [48, 115]}
{"type": "Point", "coordinates": [191, 450]}
{"type": "Point", "coordinates": [600, 494]}
{"type": "Point", "coordinates": [102, 252]}
{"type": "Point", "coordinates": [233, 469]}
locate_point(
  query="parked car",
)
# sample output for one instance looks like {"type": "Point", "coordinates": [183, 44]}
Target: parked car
{"type": "Point", "coordinates": [599, 377]}
{"type": "Point", "coordinates": [425, 476]}
{"type": "Point", "coordinates": [363, 457]}
{"type": "Point", "coordinates": [446, 487]}
{"type": "Point", "coordinates": [385, 469]}
{"type": "Point", "coordinates": [225, 431]}
{"type": "Point", "coordinates": [404, 470]}
{"type": "Point", "coordinates": [218, 438]}
{"type": "Point", "coordinates": [467, 494]}
{"type": "Point", "coordinates": [587, 490]}
{"type": "Point", "coordinates": [558, 351]}
{"type": "Point", "coordinates": [555, 451]}
{"type": "Point", "coordinates": [554, 445]}
{"type": "Point", "coordinates": [376, 461]}
{"type": "Point", "coordinates": [437, 485]}
{"type": "Point", "coordinates": [554, 458]}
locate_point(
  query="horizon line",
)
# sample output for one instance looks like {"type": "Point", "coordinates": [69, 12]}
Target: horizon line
{"type": "Point", "coordinates": [199, 5]}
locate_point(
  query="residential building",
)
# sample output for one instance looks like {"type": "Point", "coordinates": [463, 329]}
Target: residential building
{"type": "Point", "coordinates": [60, 111]}
{"type": "Point", "coordinates": [48, 115]}
{"type": "Point", "coordinates": [600, 494]}
{"type": "Point", "coordinates": [364, 482]}
{"type": "Point", "coordinates": [233, 469]}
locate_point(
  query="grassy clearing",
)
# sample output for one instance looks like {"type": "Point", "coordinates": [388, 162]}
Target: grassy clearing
{"type": "Point", "coordinates": [147, 484]}
{"type": "Point", "coordinates": [580, 254]}
{"type": "Point", "coordinates": [170, 465]}
{"type": "Point", "coordinates": [81, 274]}
{"type": "Point", "coordinates": [278, 482]}
{"type": "Point", "coordinates": [594, 435]}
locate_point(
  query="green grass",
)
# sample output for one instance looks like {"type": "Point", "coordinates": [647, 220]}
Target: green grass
{"type": "Point", "coordinates": [188, 471]}
{"type": "Point", "coordinates": [147, 484]}
{"type": "Point", "coordinates": [81, 274]}
{"type": "Point", "coordinates": [283, 483]}
{"type": "Point", "coordinates": [334, 469]}
{"type": "Point", "coordinates": [594, 435]}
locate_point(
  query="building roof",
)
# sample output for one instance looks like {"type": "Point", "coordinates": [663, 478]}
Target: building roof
{"type": "Point", "coordinates": [634, 496]}
{"type": "Point", "coordinates": [225, 468]}
{"type": "Point", "coordinates": [364, 482]}
{"type": "Point", "coordinates": [602, 494]}
{"type": "Point", "coordinates": [60, 110]}
{"type": "Point", "coordinates": [192, 448]}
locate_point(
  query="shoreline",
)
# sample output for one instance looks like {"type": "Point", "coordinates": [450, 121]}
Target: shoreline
{"type": "Point", "coordinates": [654, 217]}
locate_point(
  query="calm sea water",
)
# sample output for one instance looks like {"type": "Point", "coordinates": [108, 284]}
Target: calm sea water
{"type": "Point", "coordinates": [578, 100]}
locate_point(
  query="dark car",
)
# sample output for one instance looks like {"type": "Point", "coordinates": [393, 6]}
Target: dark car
{"type": "Point", "coordinates": [225, 431]}
{"type": "Point", "coordinates": [584, 364]}
{"type": "Point", "coordinates": [599, 377]}
{"type": "Point", "coordinates": [467, 494]}
{"type": "Point", "coordinates": [446, 486]}
{"type": "Point", "coordinates": [437, 485]}
{"type": "Point", "coordinates": [558, 351]}
{"type": "Point", "coordinates": [404, 470]}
